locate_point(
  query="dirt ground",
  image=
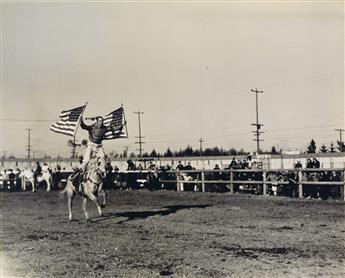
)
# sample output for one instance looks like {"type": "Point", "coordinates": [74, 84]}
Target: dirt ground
{"type": "Point", "coordinates": [172, 234]}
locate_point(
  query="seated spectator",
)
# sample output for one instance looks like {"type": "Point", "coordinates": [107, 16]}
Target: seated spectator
{"type": "Point", "coordinates": [11, 178]}
{"type": "Point", "coordinates": [151, 166]}
{"type": "Point", "coordinates": [298, 165]}
{"type": "Point", "coordinates": [216, 175]}
{"type": "Point", "coordinates": [179, 166]}
{"type": "Point", "coordinates": [309, 164]}
{"type": "Point", "coordinates": [315, 163]}
{"type": "Point", "coordinates": [249, 162]}
{"type": "Point", "coordinates": [188, 167]}
{"type": "Point", "coordinates": [244, 164]}
{"type": "Point", "coordinates": [233, 164]}
{"type": "Point", "coordinates": [131, 165]}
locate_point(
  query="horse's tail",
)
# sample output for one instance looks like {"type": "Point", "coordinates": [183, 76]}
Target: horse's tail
{"type": "Point", "coordinates": [69, 185]}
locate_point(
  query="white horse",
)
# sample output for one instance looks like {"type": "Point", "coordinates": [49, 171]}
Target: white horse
{"type": "Point", "coordinates": [28, 176]}
{"type": "Point", "coordinates": [185, 177]}
{"type": "Point", "coordinates": [89, 189]}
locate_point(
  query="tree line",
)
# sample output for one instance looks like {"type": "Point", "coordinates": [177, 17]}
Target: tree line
{"type": "Point", "coordinates": [219, 151]}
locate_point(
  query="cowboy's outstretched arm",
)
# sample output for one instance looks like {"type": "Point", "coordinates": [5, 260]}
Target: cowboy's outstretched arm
{"type": "Point", "coordinates": [83, 125]}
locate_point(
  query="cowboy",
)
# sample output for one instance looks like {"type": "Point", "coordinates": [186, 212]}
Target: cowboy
{"type": "Point", "coordinates": [45, 168]}
{"type": "Point", "coordinates": [37, 172]}
{"type": "Point", "coordinates": [97, 133]}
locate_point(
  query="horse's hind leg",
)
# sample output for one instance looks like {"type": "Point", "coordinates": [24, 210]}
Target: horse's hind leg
{"type": "Point", "coordinates": [101, 194]}
{"type": "Point", "coordinates": [33, 186]}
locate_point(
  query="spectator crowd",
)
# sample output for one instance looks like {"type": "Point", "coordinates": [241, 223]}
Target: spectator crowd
{"type": "Point", "coordinates": [145, 174]}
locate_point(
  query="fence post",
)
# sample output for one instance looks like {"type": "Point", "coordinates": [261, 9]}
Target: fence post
{"type": "Point", "coordinates": [231, 182]}
{"type": "Point", "coordinates": [203, 181]}
{"type": "Point", "coordinates": [300, 185]}
{"type": "Point", "coordinates": [178, 181]}
{"type": "Point", "coordinates": [342, 190]}
{"type": "Point", "coordinates": [264, 185]}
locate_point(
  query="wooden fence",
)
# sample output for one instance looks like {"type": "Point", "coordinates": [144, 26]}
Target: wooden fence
{"type": "Point", "coordinates": [264, 182]}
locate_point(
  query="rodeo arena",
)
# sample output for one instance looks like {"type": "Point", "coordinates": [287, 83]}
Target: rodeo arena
{"type": "Point", "coordinates": [253, 215]}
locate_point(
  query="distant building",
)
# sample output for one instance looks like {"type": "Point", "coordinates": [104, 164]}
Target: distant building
{"type": "Point", "coordinates": [291, 151]}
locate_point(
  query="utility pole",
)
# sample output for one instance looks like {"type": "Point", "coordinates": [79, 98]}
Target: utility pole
{"type": "Point", "coordinates": [257, 133]}
{"type": "Point", "coordinates": [73, 147]}
{"type": "Point", "coordinates": [140, 142]}
{"type": "Point", "coordinates": [125, 152]}
{"type": "Point", "coordinates": [3, 158]}
{"type": "Point", "coordinates": [201, 141]}
{"type": "Point", "coordinates": [29, 147]}
{"type": "Point", "coordinates": [340, 133]}
{"type": "Point", "coordinates": [340, 138]}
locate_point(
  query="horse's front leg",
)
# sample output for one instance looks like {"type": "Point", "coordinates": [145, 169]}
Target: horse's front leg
{"type": "Point", "coordinates": [23, 184]}
{"type": "Point", "coordinates": [48, 185]}
{"type": "Point", "coordinates": [84, 208]}
{"type": "Point", "coordinates": [33, 186]}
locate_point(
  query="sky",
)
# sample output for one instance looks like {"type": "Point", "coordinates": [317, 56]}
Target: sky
{"type": "Point", "coordinates": [189, 66]}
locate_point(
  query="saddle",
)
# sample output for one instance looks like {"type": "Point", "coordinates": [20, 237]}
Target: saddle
{"type": "Point", "coordinates": [79, 177]}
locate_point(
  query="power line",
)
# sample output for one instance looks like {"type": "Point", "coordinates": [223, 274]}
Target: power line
{"type": "Point", "coordinates": [140, 142]}
{"type": "Point", "coordinates": [26, 120]}
{"type": "Point", "coordinates": [257, 133]}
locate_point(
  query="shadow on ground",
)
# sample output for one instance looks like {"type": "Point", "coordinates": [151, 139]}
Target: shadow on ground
{"type": "Point", "coordinates": [137, 215]}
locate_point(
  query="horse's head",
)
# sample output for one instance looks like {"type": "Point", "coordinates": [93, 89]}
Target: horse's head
{"type": "Point", "coordinates": [27, 173]}
{"type": "Point", "coordinates": [96, 175]}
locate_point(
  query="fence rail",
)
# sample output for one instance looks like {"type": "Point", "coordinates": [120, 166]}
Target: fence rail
{"type": "Point", "coordinates": [229, 178]}
{"type": "Point", "coordinates": [264, 182]}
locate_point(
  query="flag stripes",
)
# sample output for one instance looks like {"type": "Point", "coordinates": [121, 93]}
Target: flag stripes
{"type": "Point", "coordinates": [115, 121]}
{"type": "Point", "coordinates": [69, 120]}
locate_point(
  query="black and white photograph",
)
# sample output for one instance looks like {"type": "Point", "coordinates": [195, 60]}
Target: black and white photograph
{"type": "Point", "coordinates": [172, 138]}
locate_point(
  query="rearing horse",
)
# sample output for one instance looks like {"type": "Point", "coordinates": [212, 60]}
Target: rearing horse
{"type": "Point", "coordinates": [88, 187]}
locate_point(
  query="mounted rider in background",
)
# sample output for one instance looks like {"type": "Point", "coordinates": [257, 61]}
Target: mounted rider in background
{"type": "Point", "coordinates": [37, 172]}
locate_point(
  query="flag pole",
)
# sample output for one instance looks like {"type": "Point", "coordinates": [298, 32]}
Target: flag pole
{"type": "Point", "coordinates": [75, 132]}
{"type": "Point", "coordinates": [124, 117]}
{"type": "Point", "coordinates": [81, 114]}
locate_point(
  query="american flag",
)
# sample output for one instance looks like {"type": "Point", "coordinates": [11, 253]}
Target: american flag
{"type": "Point", "coordinates": [115, 123]}
{"type": "Point", "coordinates": [69, 120]}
